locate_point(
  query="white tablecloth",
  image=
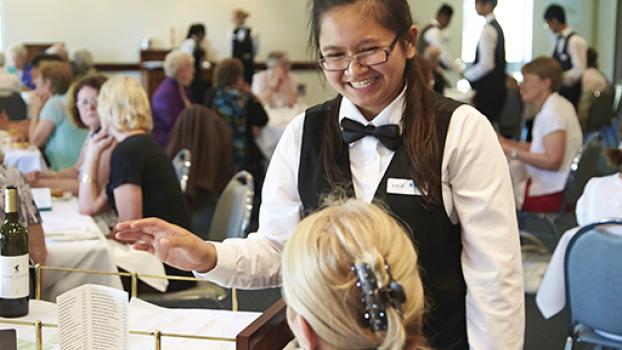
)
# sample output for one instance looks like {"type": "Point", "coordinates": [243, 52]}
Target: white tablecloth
{"type": "Point", "coordinates": [74, 241]}
{"type": "Point", "coordinates": [26, 160]}
{"type": "Point", "coordinates": [278, 118]}
{"type": "Point", "coordinates": [148, 317]}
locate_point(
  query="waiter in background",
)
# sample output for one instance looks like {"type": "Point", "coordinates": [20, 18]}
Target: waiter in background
{"type": "Point", "coordinates": [487, 76]}
{"type": "Point", "coordinates": [243, 44]}
{"type": "Point", "coordinates": [571, 52]}
{"type": "Point", "coordinates": [432, 37]}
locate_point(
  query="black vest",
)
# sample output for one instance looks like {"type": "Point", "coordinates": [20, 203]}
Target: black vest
{"type": "Point", "coordinates": [494, 79]}
{"type": "Point", "coordinates": [572, 93]}
{"type": "Point", "coordinates": [436, 239]}
{"type": "Point", "coordinates": [242, 49]}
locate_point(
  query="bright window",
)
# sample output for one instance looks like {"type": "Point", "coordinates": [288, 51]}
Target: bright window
{"type": "Point", "coordinates": [516, 20]}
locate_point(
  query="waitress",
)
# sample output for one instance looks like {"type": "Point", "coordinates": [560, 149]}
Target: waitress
{"type": "Point", "coordinates": [436, 165]}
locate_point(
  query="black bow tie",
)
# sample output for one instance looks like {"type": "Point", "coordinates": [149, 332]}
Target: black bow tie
{"type": "Point", "coordinates": [389, 134]}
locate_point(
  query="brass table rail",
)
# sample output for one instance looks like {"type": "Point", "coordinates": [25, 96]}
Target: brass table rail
{"type": "Point", "coordinates": [156, 334]}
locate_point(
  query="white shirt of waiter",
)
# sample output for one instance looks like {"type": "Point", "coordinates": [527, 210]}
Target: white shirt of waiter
{"type": "Point", "coordinates": [434, 38]}
{"type": "Point", "coordinates": [486, 48]}
{"type": "Point", "coordinates": [557, 113]}
{"type": "Point", "coordinates": [577, 50]}
{"type": "Point", "coordinates": [476, 192]}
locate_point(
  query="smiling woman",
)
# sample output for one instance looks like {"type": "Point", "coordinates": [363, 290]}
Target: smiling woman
{"type": "Point", "coordinates": [405, 134]}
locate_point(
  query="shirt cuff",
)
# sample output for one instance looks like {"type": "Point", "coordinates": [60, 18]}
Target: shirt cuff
{"type": "Point", "coordinates": [225, 265]}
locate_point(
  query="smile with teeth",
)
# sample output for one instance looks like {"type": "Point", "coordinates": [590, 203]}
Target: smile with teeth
{"type": "Point", "coordinates": [361, 84]}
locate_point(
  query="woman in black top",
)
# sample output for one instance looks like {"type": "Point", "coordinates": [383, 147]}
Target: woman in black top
{"type": "Point", "coordinates": [142, 180]}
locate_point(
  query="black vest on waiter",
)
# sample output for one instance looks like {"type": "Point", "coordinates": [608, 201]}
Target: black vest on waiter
{"type": "Point", "coordinates": [495, 79]}
{"type": "Point", "coordinates": [436, 239]}
{"type": "Point", "coordinates": [490, 90]}
{"type": "Point", "coordinates": [244, 50]}
{"type": "Point", "coordinates": [572, 93]}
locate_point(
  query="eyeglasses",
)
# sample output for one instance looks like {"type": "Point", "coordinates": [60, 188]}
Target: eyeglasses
{"type": "Point", "coordinates": [366, 58]}
{"type": "Point", "coordinates": [87, 102]}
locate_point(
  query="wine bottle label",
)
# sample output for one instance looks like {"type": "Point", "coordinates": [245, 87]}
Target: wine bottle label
{"type": "Point", "coordinates": [14, 276]}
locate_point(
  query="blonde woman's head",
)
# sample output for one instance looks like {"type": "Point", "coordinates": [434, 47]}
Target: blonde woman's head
{"type": "Point", "coordinates": [320, 286]}
{"type": "Point", "coordinates": [123, 105]}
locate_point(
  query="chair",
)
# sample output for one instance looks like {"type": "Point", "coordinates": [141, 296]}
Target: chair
{"type": "Point", "coordinates": [182, 163]}
{"type": "Point", "coordinates": [14, 106]}
{"type": "Point", "coordinates": [233, 209]}
{"type": "Point", "coordinates": [231, 217]}
{"type": "Point", "coordinates": [601, 110]}
{"type": "Point", "coordinates": [582, 168]}
{"type": "Point", "coordinates": [511, 115]}
{"type": "Point", "coordinates": [593, 275]}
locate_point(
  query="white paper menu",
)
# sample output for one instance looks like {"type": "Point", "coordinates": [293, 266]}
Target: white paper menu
{"type": "Point", "coordinates": [93, 317]}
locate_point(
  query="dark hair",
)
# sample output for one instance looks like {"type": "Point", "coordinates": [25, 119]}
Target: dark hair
{"type": "Point", "coordinates": [492, 2]}
{"type": "Point", "coordinates": [41, 57]}
{"type": "Point", "coordinates": [592, 58]}
{"type": "Point", "coordinates": [445, 10]}
{"type": "Point", "coordinates": [419, 118]}
{"type": "Point", "coordinates": [614, 155]}
{"type": "Point", "coordinates": [195, 29]}
{"type": "Point", "coordinates": [228, 71]}
{"type": "Point", "coordinates": [555, 12]}
{"type": "Point", "coordinates": [94, 81]}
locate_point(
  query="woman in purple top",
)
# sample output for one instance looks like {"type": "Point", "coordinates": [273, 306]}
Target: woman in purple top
{"type": "Point", "coordinates": [172, 95]}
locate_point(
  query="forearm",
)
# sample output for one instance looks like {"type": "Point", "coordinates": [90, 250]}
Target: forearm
{"type": "Point", "coordinates": [538, 160]}
{"type": "Point", "coordinates": [91, 198]}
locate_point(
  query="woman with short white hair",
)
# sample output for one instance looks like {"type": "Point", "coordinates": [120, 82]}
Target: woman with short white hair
{"type": "Point", "coordinates": [142, 181]}
{"type": "Point", "coordinates": [173, 94]}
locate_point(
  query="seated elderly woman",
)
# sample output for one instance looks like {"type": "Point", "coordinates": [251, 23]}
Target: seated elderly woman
{"type": "Point", "coordinates": [83, 101]}
{"type": "Point", "coordinates": [276, 86]}
{"type": "Point", "coordinates": [28, 212]}
{"type": "Point", "coordinates": [372, 271]}
{"type": "Point", "coordinates": [19, 66]}
{"type": "Point", "coordinates": [556, 137]}
{"type": "Point", "coordinates": [142, 182]}
{"type": "Point", "coordinates": [172, 95]}
{"type": "Point", "coordinates": [51, 128]}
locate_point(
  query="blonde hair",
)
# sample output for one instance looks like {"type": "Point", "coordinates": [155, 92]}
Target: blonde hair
{"type": "Point", "coordinates": [124, 106]}
{"type": "Point", "coordinates": [174, 60]}
{"type": "Point", "coordinates": [319, 285]}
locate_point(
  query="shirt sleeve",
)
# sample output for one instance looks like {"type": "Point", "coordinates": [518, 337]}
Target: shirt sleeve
{"type": "Point", "coordinates": [577, 50]}
{"type": "Point", "coordinates": [255, 262]}
{"type": "Point", "coordinates": [53, 110]}
{"type": "Point", "coordinates": [434, 36]}
{"type": "Point", "coordinates": [480, 197]}
{"type": "Point", "coordinates": [127, 166]}
{"type": "Point", "coordinates": [486, 48]}
{"type": "Point", "coordinates": [550, 122]}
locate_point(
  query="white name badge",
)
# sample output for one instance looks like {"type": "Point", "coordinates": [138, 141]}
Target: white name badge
{"type": "Point", "coordinates": [402, 186]}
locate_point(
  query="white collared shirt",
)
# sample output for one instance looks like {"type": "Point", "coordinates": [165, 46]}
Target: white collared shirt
{"type": "Point", "coordinates": [434, 38]}
{"type": "Point", "coordinates": [577, 50]}
{"type": "Point", "coordinates": [476, 192]}
{"type": "Point", "coordinates": [486, 47]}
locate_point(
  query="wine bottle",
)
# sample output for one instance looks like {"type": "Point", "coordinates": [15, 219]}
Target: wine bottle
{"type": "Point", "coordinates": [14, 281]}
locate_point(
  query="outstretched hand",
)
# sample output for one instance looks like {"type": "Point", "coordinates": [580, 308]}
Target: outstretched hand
{"type": "Point", "coordinates": [172, 244]}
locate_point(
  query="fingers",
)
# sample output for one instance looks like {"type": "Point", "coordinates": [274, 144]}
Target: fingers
{"type": "Point", "coordinates": [144, 247]}
{"type": "Point", "coordinates": [141, 224]}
